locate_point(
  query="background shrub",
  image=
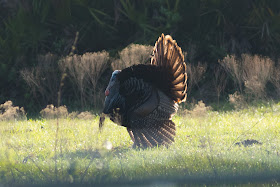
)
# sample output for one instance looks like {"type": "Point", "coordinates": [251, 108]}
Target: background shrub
{"type": "Point", "coordinates": [85, 71]}
{"type": "Point", "coordinates": [10, 112]}
{"type": "Point", "coordinates": [44, 79]}
{"type": "Point", "coordinates": [251, 72]}
{"type": "Point", "coordinates": [275, 78]}
{"type": "Point", "coordinates": [257, 71]}
{"type": "Point", "coordinates": [52, 112]}
{"type": "Point", "coordinates": [132, 55]}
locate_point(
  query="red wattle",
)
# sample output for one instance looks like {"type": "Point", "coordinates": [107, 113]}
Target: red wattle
{"type": "Point", "coordinates": [107, 92]}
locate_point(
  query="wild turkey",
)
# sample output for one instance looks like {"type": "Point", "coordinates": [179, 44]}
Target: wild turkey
{"type": "Point", "coordinates": [143, 98]}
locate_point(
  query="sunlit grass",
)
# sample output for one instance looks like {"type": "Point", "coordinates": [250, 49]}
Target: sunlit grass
{"type": "Point", "coordinates": [204, 151]}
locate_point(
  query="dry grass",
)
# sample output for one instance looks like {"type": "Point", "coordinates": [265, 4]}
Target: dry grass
{"type": "Point", "coordinates": [257, 72]}
{"type": "Point", "coordinates": [195, 74]}
{"type": "Point", "coordinates": [199, 110]}
{"type": "Point", "coordinates": [52, 112]}
{"type": "Point", "coordinates": [85, 115]}
{"type": "Point", "coordinates": [85, 71]}
{"type": "Point", "coordinates": [10, 112]}
{"type": "Point", "coordinates": [132, 55]}
{"type": "Point", "coordinates": [251, 71]}
{"type": "Point", "coordinates": [237, 100]}
{"type": "Point", "coordinates": [234, 67]}
{"type": "Point", "coordinates": [220, 81]}
{"type": "Point", "coordinates": [275, 78]}
{"type": "Point", "coordinates": [44, 78]}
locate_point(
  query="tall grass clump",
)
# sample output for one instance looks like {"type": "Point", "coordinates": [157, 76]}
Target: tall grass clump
{"type": "Point", "coordinates": [132, 55]}
{"type": "Point", "coordinates": [43, 80]}
{"type": "Point", "coordinates": [257, 72]}
{"type": "Point", "coordinates": [251, 72]}
{"type": "Point", "coordinates": [275, 78]}
{"type": "Point", "coordinates": [237, 100]}
{"type": "Point", "coordinates": [52, 112]}
{"type": "Point", "coordinates": [85, 71]}
{"type": "Point", "coordinates": [195, 74]}
{"type": "Point", "coordinates": [234, 67]}
{"type": "Point", "coordinates": [220, 81]}
{"type": "Point", "coordinates": [9, 112]}
{"type": "Point", "coordinates": [198, 110]}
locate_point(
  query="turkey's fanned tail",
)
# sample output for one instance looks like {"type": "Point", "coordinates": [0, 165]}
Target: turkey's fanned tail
{"type": "Point", "coordinates": [168, 55]}
{"type": "Point", "coordinates": [155, 135]}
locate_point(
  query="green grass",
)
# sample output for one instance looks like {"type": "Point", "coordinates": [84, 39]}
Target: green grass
{"type": "Point", "coordinates": [204, 151]}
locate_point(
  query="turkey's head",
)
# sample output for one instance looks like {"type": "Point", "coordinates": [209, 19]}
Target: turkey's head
{"type": "Point", "coordinates": [113, 98]}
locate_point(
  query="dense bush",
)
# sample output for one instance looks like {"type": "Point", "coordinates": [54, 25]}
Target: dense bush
{"type": "Point", "coordinates": [132, 55]}
{"type": "Point", "coordinates": [43, 79]}
{"type": "Point", "coordinates": [207, 30]}
{"type": "Point", "coordinates": [10, 112]}
{"type": "Point", "coordinates": [52, 112]}
{"type": "Point", "coordinates": [251, 71]}
{"type": "Point", "coordinates": [85, 71]}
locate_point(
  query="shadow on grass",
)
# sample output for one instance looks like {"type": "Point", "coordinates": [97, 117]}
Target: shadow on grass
{"type": "Point", "coordinates": [248, 181]}
{"type": "Point", "coordinates": [97, 153]}
{"type": "Point", "coordinates": [251, 178]}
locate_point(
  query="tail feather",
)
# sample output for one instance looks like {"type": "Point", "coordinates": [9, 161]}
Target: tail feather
{"type": "Point", "coordinates": [154, 133]}
{"type": "Point", "coordinates": [143, 140]}
{"type": "Point", "coordinates": [179, 87]}
{"type": "Point", "coordinates": [179, 95]}
{"type": "Point", "coordinates": [148, 143]}
{"type": "Point", "coordinates": [181, 69]}
{"type": "Point", "coordinates": [160, 134]}
{"type": "Point", "coordinates": [167, 139]}
{"type": "Point", "coordinates": [171, 129]}
{"type": "Point", "coordinates": [168, 55]}
{"type": "Point", "coordinates": [150, 137]}
{"type": "Point", "coordinates": [177, 66]}
{"type": "Point", "coordinates": [137, 139]}
{"type": "Point", "coordinates": [181, 78]}
{"type": "Point", "coordinates": [131, 134]}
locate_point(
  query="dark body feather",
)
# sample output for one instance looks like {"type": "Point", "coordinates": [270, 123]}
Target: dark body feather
{"type": "Point", "coordinates": [148, 95]}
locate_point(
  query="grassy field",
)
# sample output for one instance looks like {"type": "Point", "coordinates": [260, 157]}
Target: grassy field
{"type": "Point", "coordinates": [210, 148]}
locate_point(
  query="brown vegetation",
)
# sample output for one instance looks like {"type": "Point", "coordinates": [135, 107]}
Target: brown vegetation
{"type": "Point", "coordinates": [52, 112]}
{"type": "Point", "coordinates": [195, 74]}
{"type": "Point", "coordinates": [237, 100]}
{"type": "Point", "coordinates": [85, 71]}
{"type": "Point", "coordinates": [233, 66]}
{"type": "Point", "coordinates": [251, 71]}
{"type": "Point", "coordinates": [275, 78]}
{"type": "Point", "coordinates": [199, 109]}
{"type": "Point", "coordinates": [256, 73]}
{"type": "Point", "coordinates": [85, 115]}
{"type": "Point", "coordinates": [132, 55]}
{"type": "Point", "coordinates": [44, 78]}
{"type": "Point", "coordinates": [220, 81]}
{"type": "Point", "coordinates": [10, 112]}
{"type": "Point", "coordinates": [250, 74]}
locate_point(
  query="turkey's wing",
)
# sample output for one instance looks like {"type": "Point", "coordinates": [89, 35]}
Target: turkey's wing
{"type": "Point", "coordinates": [140, 98]}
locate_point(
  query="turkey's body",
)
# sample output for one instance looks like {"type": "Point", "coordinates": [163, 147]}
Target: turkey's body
{"type": "Point", "coordinates": [144, 98]}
